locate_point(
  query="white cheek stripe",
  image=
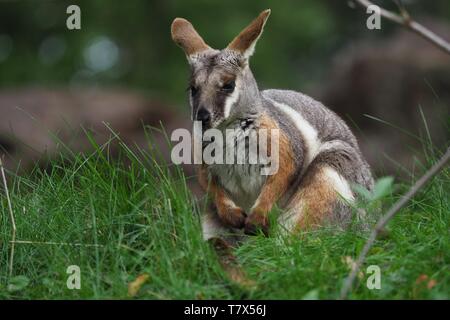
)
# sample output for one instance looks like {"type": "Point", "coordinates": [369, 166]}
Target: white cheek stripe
{"type": "Point", "coordinates": [191, 103]}
{"type": "Point", "coordinates": [308, 132]}
{"type": "Point", "coordinates": [231, 100]}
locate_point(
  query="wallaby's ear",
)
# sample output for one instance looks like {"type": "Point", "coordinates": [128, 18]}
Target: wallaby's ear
{"type": "Point", "coordinates": [184, 35]}
{"type": "Point", "coordinates": [245, 42]}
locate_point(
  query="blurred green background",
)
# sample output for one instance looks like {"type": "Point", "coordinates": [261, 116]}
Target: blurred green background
{"type": "Point", "coordinates": [127, 43]}
{"type": "Point", "coordinates": [123, 68]}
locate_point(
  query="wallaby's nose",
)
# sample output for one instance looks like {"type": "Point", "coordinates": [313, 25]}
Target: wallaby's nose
{"type": "Point", "coordinates": [203, 115]}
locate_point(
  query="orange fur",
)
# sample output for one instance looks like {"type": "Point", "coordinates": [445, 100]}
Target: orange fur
{"type": "Point", "coordinates": [315, 200]}
{"type": "Point", "coordinates": [277, 184]}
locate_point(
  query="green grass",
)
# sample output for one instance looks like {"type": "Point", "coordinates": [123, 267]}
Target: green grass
{"type": "Point", "coordinates": [143, 218]}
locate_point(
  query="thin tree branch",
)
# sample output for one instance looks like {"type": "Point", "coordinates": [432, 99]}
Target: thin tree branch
{"type": "Point", "coordinates": [13, 221]}
{"type": "Point", "coordinates": [405, 20]}
{"type": "Point", "coordinates": [436, 168]}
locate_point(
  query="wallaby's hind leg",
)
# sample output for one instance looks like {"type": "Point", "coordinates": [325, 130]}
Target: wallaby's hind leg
{"type": "Point", "coordinates": [322, 197]}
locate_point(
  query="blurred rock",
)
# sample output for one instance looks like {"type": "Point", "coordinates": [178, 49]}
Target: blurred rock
{"type": "Point", "coordinates": [32, 118]}
{"type": "Point", "coordinates": [390, 80]}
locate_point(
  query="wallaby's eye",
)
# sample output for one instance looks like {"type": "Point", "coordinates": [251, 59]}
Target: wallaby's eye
{"type": "Point", "coordinates": [228, 87]}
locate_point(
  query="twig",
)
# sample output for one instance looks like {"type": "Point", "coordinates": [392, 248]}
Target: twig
{"type": "Point", "coordinates": [405, 20]}
{"type": "Point", "coordinates": [13, 221]}
{"type": "Point", "coordinates": [436, 168]}
{"type": "Point", "coordinates": [56, 243]}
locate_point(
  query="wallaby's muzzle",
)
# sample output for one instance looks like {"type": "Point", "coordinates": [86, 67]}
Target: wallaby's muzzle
{"type": "Point", "coordinates": [204, 116]}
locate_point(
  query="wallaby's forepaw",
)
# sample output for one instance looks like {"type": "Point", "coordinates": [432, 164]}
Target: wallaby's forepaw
{"type": "Point", "coordinates": [256, 222]}
{"type": "Point", "coordinates": [233, 217]}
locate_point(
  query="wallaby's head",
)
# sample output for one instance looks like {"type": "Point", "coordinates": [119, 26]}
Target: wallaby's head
{"type": "Point", "coordinates": [222, 87]}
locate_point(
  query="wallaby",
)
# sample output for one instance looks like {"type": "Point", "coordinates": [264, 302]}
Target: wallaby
{"type": "Point", "coordinates": [319, 158]}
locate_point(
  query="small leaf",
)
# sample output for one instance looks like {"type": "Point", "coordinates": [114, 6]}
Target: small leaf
{"type": "Point", "coordinates": [18, 283]}
{"type": "Point", "coordinates": [359, 189]}
{"type": "Point", "coordinates": [311, 295]}
{"type": "Point", "coordinates": [135, 286]}
{"type": "Point", "coordinates": [383, 187]}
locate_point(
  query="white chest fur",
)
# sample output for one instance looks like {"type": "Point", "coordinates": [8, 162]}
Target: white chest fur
{"type": "Point", "coordinates": [241, 178]}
